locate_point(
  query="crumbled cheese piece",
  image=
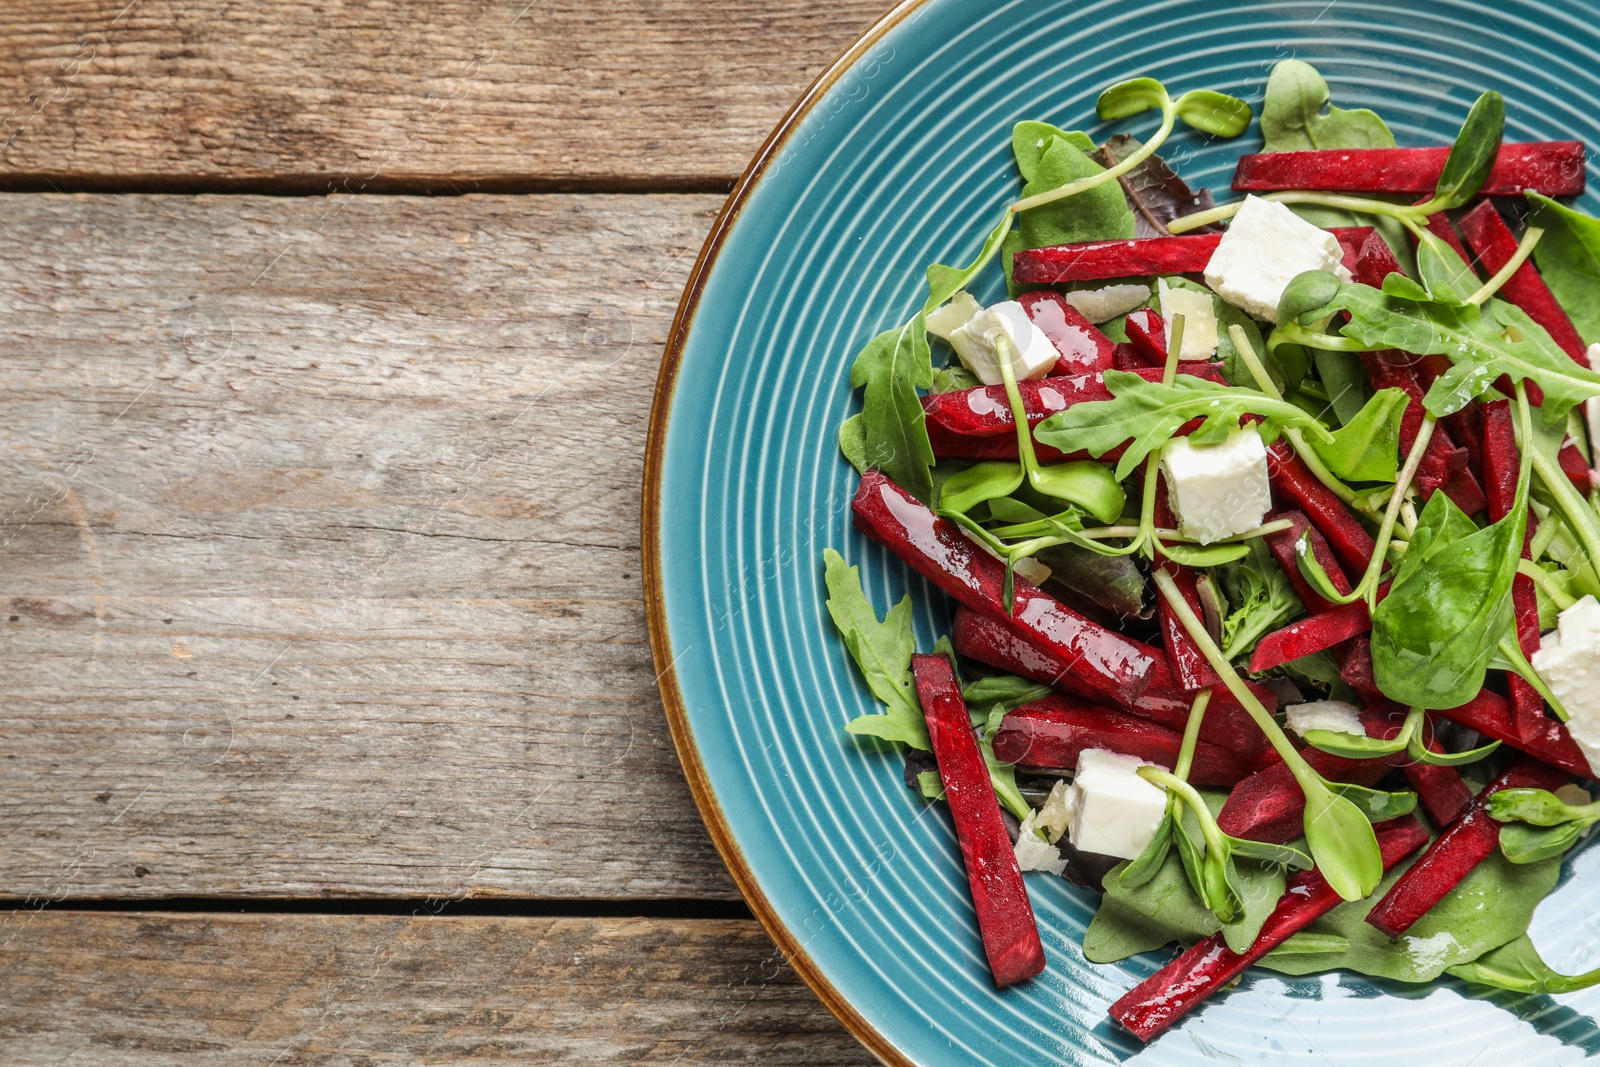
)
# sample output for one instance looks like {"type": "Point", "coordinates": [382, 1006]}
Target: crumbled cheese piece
{"type": "Point", "coordinates": [1031, 350]}
{"type": "Point", "coordinates": [1265, 247]}
{"type": "Point", "coordinates": [1199, 319]}
{"type": "Point", "coordinates": [1569, 662]}
{"type": "Point", "coordinates": [1574, 794]}
{"type": "Point", "coordinates": [1334, 716]}
{"type": "Point", "coordinates": [954, 313]}
{"type": "Point", "coordinates": [1108, 301]}
{"type": "Point", "coordinates": [1111, 811]}
{"type": "Point", "coordinates": [1033, 854]}
{"type": "Point", "coordinates": [1219, 490]}
{"type": "Point", "coordinates": [1053, 816]}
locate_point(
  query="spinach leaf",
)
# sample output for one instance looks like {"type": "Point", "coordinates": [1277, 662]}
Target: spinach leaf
{"type": "Point", "coordinates": [1345, 380]}
{"type": "Point", "coordinates": [1433, 634]}
{"type": "Point", "coordinates": [1146, 414]}
{"type": "Point", "coordinates": [1517, 966]}
{"type": "Point", "coordinates": [1367, 448]}
{"type": "Point", "coordinates": [1489, 908]}
{"type": "Point", "coordinates": [882, 652]}
{"type": "Point", "coordinates": [1029, 140]}
{"type": "Point", "coordinates": [1100, 213]}
{"type": "Point", "coordinates": [1473, 153]}
{"type": "Point", "coordinates": [1260, 599]}
{"type": "Point", "coordinates": [893, 435]}
{"type": "Point", "coordinates": [1568, 255]}
{"type": "Point", "coordinates": [1293, 120]}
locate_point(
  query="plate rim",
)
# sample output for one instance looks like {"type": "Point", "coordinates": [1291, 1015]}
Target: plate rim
{"type": "Point", "coordinates": [705, 798]}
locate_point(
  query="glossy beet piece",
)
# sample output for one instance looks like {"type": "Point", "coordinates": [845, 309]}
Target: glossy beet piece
{"type": "Point", "coordinates": [1094, 260]}
{"type": "Point", "coordinates": [1050, 733]}
{"type": "Point", "coordinates": [1083, 348]}
{"type": "Point", "coordinates": [1269, 806]}
{"type": "Point", "coordinates": [1188, 664]}
{"type": "Point", "coordinates": [1005, 917]}
{"type": "Point", "coordinates": [1500, 460]}
{"type": "Point", "coordinates": [1314, 633]}
{"type": "Point", "coordinates": [1463, 845]}
{"type": "Point", "coordinates": [1125, 356]}
{"type": "Point", "coordinates": [1105, 664]}
{"type": "Point", "coordinates": [976, 423]}
{"type": "Point", "coordinates": [1576, 469]}
{"type": "Point", "coordinates": [1293, 485]}
{"type": "Point", "coordinates": [1285, 548]}
{"type": "Point", "coordinates": [1492, 241]}
{"type": "Point", "coordinates": [1226, 724]}
{"type": "Point", "coordinates": [1554, 168]}
{"type": "Point", "coordinates": [1351, 238]}
{"type": "Point", "coordinates": [1147, 332]}
{"type": "Point", "coordinates": [1490, 715]}
{"type": "Point", "coordinates": [1440, 790]}
{"type": "Point", "coordinates": [1209, 966]}
{"type": "Point", "coordinates": [1355, 668]}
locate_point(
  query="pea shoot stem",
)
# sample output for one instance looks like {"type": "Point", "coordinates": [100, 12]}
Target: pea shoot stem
{"type": "Point", "coordinates": [1169, 118]}
{"type": "Point", "coordinates": [1525, 247]}
{"type": "Point", "coordinates": [1407, 214]}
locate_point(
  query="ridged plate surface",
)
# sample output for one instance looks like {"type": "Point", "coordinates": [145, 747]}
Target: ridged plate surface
{"type": "Point", "coordinates": [902, 160]}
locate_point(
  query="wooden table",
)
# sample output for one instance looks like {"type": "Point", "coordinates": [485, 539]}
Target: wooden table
{"type": "Point", "coordinates": [329, 732]}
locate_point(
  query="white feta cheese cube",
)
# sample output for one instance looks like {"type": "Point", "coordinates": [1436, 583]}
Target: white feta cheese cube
{"type": "Point", "coordinates": [1199, 319]}
{"type": "Point", "coordinates": [1034, 853]}
{"type": "Point", "coordinates": [1108, 301]}
{"type": "Point", "coordinates": [1032, 352]}
{"type": "Point", "coordinates": [951, 315]}
{"type": "Point", "coordinates": [1335, 716]}
{"type": "Point", "coordinates": [1569, 662]}
{"type": "Point", "coordinates": [1265, 247]}
{"type": "Point", "coordinates": [1219, 490]}
{"type": "Point", "coordinates": [1111, 811]}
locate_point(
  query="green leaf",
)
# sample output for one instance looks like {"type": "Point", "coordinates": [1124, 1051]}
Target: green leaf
{"type": "Point", "coordinates": [1490, 907]}
{"type": "Point", "coordinates": [1537, 806]}
{"type": "Point", "coordinates": [929, 785]}
{"type": "Point", "coordinates": [964, 490]}
{"type": "Point", "coordinates": [853, 441]}
{"type": "Point", "coordinates": [882, 652]}
{"type": "Point", "coordinates": [1002, 775]}
{"type": "Point", "coordinates": [1433, 634]}
{"type": "Point", "coordinates": [1568, 255]}
{"type": "Point", "coordinates": [1148, 413]}
{"type": "Point", "coordinates": [1375, 804]}
{"type": "Point", "coordinates": [1084, 483]}
{"type": "Point", "coordinates": [1100, 213]}
{"type": "Point", "coordinates": [1030, 139]}
{"type": "Point", "coordinates": [949, 379]}
{"type": "Point", "coordinates": [1140, 870]}
{"type": "Point", "coordinates": [1521, 843]}
{"type": "Point", "coordinates": [1473, 153]}
{"type": "Point", "coordinates": [1132, 97]}
{"type": "Point", "coordinates": [1367, 448]}
{"type": "Point", "coordinates": [1517, 966]}
{"type": "Point", "coordinates": [1293, 120]}
{"type": "Point", "coordinates": [1217, 114]}
{"type": "Point", "coordinates": [945, 282]}
{"type": "Point", "coordinates": [1445, 276]}
{"type": "Point", "coordinates": [1345, 380]}
{"type": "Point", "coordinates": [1004, 689]}
{"type": "Point", "coordinates": [1352, 746]}
{"type": "Point", "coordinates": [1205, 555]}
{"type": "Point", "coordinates": [1341, 840]}
{"type": "Point", "coordinates": [1260, 599]}
{"type": "Point", "coordinates": [894, 430]}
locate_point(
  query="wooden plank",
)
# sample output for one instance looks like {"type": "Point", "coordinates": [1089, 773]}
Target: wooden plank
{"type": "Point", "coordinates": [437, 96]}
{"type": "Point", "coordinates": [319, 540]}
{"type": "Point", "coordinates": [126, 990]}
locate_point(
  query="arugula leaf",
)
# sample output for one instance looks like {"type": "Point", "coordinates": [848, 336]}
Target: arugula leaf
{"type": "Point", "coordinates": [1147, 414]}
{"type": "Point", "coordinates": [893, 434]}
{"type": "Point", "coordinates": [945, 282]}
{"type": "Point", "coordinates": [949, 379]}
{"type": "Point", "coordinates": [1517, 966]}
{"type": "Point", "coordinates": [1433, 634]}
{"type": "Point", "coordinates": [1489, 908]}
{"type": "Point", "coordinates": [1345, 380]}
{"type": "Point", "coordinates": [1101, 213]}
{"type": "Point", "coordinates": [1004, 689]}
{"type": "Point", "coordinates": [930, 785]}
{"type": "Point", "coordinates": [1002, 775]}
{"type": "Point", "coordinates": [882, 652]}
{"type": "Point", "coordinates": [1473, 153]}
{"type": "Point", "coordinates": [1568, 255]}
{"type": "Point", "coordinates": [1260, 597]}
{"type": "Point", "coordinates": [1367, 448]}
{"type": "Point", "coordinates": [1293, 120]}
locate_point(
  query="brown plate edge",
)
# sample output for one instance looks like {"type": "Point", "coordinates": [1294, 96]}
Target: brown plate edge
{"type": "Point", "coordinates": [660, 642]}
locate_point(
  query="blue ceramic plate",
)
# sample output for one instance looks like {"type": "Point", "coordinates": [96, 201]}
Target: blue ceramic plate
{"type": "Point", "coordinates": [899, 157]}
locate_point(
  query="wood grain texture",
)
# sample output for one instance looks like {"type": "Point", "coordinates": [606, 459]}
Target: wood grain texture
{"type": "Point", "coordinates": [221, 990]}
{"type": "Point", "coordinates": [411, 96]}
{"type": "Point", "coordinates": [319, 542]}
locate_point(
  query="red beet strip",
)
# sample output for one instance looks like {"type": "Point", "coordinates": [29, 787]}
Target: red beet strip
{"type": "Point", "coordinates": [1050, 733]}
{"type": "Point", "coordinates": [1440, 790]}
{"type": "Point", "coordinates": [1269, 806]}
{"type": "Point", "coordinates": [1464, 844]}
{"type": "Point", "coordinates": [1494, 244]}
{"type": "Point", "coordinates": [1295, 486]}
{"type": "Point", "coordinates": [1500, 460]}
{"type": "Point", "coordinates": [1188, 664]}
{"type": "Point", "coordinates": [1314, 633]}
{"type": "Point", "coordinates": [1104, 663]}
{"type": "Point", "coordinates": [1005, 917]}
{"type": "Point", "coordinates": [1285, 548]}
{"type": "Point", "coordinates": [1226, 724]}
{"type": "Point", "coordinates": [1490, 715]}
{"type": "Point", "coordinates": [1175, 990]}
{"type": "Point", "coordinates": [1554, 168]}
{"type": "Point", "coordinates": [1093, 260]}
{"type": "Point", "coordinates": [976, 423]}
{"type": "Point", "coordinates": [1147, 332]}
{"type": "Point", "coordinates": [1351, 238]}
{"type": "Point", "coordinates": [1355, 668]}
{"type": "Point", "coordinates": [1083, 348]}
